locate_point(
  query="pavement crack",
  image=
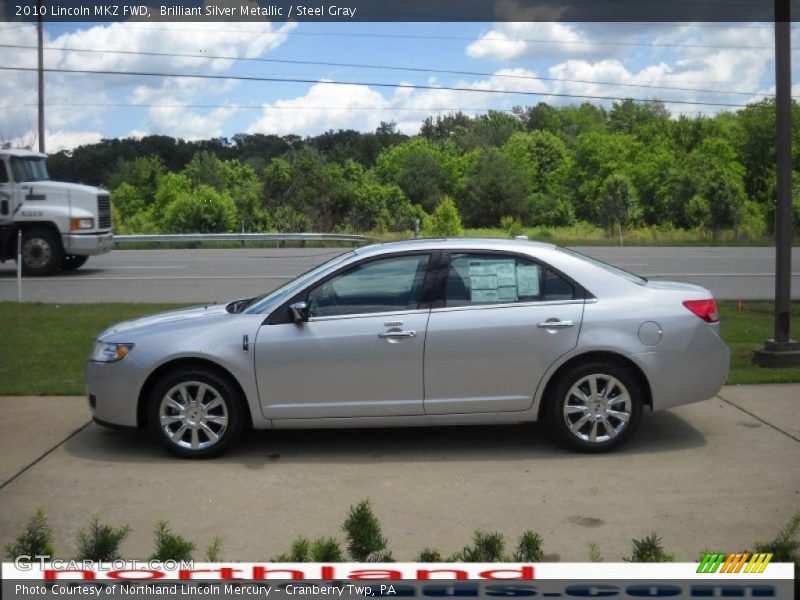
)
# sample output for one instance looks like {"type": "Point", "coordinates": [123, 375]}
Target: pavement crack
{"type": "Point", "coordinates": [757, 418]}
{"type": "Point", "coordinates": [44, 455]}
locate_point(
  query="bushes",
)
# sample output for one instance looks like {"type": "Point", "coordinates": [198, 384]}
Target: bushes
{"type": "Point", "coordinates": [170, 546]}
{"type": "Point", "coordinates": [35, 540]}
{"type": "Point", "coordinates": [445, 220]}
{"type": "Point", "coordinates": [364, 541]}
{"type": "Point", "coordinates": [101, 542]}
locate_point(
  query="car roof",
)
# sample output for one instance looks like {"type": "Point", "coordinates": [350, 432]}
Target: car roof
{"type": "Point", "coordinates": [459, 243]}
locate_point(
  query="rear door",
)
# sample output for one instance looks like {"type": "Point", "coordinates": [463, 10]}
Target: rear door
{"type": "Point", "coordinates": [503, 319]}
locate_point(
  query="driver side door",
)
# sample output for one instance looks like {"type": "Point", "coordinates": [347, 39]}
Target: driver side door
{"type": "Point", "coordinates": [360, 354]}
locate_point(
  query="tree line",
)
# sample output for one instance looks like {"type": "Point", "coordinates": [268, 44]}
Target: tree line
{"type": "Point", "coordinates": [629, 166]}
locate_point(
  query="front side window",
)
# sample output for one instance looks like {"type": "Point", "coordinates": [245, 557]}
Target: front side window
{"type": "Point", "coordinates": [385, 285]}
{"type": "Point", "coordinates": [3, 172]}
{"type": "Point", "coordinates": [476, 279]}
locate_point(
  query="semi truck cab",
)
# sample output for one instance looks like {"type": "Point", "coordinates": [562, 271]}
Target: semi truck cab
{"type": "Point", "coordinates": [62, 224]}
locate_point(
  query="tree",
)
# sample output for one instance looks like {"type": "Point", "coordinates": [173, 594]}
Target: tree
{"type": "Point", "coordinates": [202, 210]}
{"type": "Point", "coordinates": [619, 207]}
{"type": "Point", "coordinates": [445, 220]}
{"type": "Point", "coordinates": [495, 188]}
{"type": "Point", "coordinates": [233, 178]}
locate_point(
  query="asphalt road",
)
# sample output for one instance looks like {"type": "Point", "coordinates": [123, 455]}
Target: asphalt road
{"type": "Point", "coordinates": [218, 275]}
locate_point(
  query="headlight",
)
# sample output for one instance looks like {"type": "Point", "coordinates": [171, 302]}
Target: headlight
{"type": "Point", "coordinates": [106, 352]}
{"type": "Point", "coordinates": [86, 223]}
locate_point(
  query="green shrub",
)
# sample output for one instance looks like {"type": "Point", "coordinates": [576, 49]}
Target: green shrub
{"type": "Point", "coordinates": [35, 540]}
{"type": "Point", "coordinates": [649, 550]}
{"type": "Point", "coordinates": [594, 553]}
{"type": "Point", "coordinates": [363, 531]}
{"type": "Point", "coordinates": [170, 546]}
{"type": "Point", "coordinates": [326, 550]}
{"type": "Point", "coordinates": [529, 548]}
{"type": "Point", "coordinates": [429, 555]}
{"type": "Point", "coordinates": [511, 226]}
{"type": "Point", "coordinates": [486, 547]}
{"type": "Point", "coordinates": [214, 550]}
{"type": "Point", "coordinates": [101, 542]}
{"type": "Point", "coordinates": [445, 221]}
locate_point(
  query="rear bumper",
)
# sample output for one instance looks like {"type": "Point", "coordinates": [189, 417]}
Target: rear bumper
{"type": "Point", "coordinates": [692, 374]}
{"type": "Point", "coordinates": [87, 244]}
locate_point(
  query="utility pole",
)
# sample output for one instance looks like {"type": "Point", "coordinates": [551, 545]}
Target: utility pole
{"type": "Point", "coordinates": [781, 350]}
{"type": "Point", "coordinates": [40, 34]}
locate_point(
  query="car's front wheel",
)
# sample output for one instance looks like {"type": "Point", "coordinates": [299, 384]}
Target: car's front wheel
{"type": "Point", "coordinates": [595, 407]}
{"type": "Point", "coordinates": [195, 413]}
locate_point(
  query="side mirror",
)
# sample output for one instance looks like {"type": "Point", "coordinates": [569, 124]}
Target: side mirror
{"type": "Point", "coordinates": [299, 312]}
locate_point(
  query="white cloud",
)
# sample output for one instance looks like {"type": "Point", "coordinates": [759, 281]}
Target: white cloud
{"type": "Point", "coordinates": [506, 41]}
{"type": "Point", "coordinates": [70, 98]}
{"type": "Point", "coordinates": [324, 106]}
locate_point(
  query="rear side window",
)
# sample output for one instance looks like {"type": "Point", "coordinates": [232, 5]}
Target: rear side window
{"type": "Point", "coordinates": [479, 279]}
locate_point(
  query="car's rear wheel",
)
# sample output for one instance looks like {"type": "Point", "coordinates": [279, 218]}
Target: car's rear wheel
{"type": "Point", "coordinates": [595, 407]}
{"type": "Point", "coordinates": [195, 413]}
{"type": "Point", "coordinates": [73, 261]}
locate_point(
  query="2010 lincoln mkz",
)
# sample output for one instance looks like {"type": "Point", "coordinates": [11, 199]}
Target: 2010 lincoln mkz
{"type": "Point", "coordinates": [424, 332]}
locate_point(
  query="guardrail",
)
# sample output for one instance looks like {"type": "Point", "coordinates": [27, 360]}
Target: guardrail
{"type": "Point", "coordinates": [240, 237]}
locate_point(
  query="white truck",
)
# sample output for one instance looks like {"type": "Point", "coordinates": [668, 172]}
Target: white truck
{"type": "Point", "coordinates": [62, 224]}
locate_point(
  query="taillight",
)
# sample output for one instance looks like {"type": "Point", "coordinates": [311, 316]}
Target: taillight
{"type": "Point", "coordinates": [705, 309]}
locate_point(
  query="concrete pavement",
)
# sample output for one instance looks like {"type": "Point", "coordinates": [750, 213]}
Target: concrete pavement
{"type": "Point", "coordinates": [720, 475]}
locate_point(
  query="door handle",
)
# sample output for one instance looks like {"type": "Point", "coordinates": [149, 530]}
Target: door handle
{"type": "Point", "coordinates": [397, 334]}
{"type": "Point", "coordinates": [555, 324]}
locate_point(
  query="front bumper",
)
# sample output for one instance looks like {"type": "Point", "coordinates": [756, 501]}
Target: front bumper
{"type": "Point", "coordinates": [87, 244]}
{"type": "Point", "coordinates": [112, 392]}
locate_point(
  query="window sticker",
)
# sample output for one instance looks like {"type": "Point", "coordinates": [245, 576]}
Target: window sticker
{"type": "Point", "coordinates": [528, 280]}
{"type": "Point", "coordinates": [493, 280]}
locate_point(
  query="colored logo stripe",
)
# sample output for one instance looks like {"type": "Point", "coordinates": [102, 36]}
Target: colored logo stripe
{"type": "Point", "coordinates": [721, 562]}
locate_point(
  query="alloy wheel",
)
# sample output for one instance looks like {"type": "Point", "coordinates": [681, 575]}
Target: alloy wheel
{"type": "Point", "coordinates": [193, 415]}
{"type": "Point", "coordinates": [597, 408]}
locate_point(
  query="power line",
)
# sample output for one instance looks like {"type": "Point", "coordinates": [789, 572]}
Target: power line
{"type": "Point", "coordinates": [380, 67]}
{"type": "Point", "coordinates": [459, 38]}
{"type": "Point", "coordinates": [373, 84]}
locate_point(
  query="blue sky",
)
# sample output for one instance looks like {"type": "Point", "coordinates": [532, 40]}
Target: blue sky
{"type": "Point", "coordinates": [579, 59]}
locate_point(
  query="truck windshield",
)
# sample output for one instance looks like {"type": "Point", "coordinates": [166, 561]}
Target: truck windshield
{"type": "Point", "coordinates": [28, 169]}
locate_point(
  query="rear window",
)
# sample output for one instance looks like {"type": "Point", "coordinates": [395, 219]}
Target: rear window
{"type": "Point", "coordinates": [606, 267]}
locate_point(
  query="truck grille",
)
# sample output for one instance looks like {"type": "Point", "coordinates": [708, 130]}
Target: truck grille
{"type": "Point", "coordinates": [103, 211]}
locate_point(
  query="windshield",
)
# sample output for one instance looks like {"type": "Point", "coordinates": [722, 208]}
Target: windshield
{"type": "Point", "coordinates": [293, 286]}
{"type": "Point", "coordinates": [610, 268]}
{"type": "Point", "coordinates": [29, 169]}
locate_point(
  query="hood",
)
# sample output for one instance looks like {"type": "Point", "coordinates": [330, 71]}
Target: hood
{"type": "Point", "coordinates": [165, 319]}
{"type": "Point", "coordinates": [44, 187]}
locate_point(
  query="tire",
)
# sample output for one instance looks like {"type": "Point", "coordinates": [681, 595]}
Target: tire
{"type": "Point", "coordinates": [583, 421]}
{"type": "Point", "coordinates": [42, 253]}
{"type": "Point", "coordinates": [222, 414]}
{"type": "Point", "coordinates": [72, 262]}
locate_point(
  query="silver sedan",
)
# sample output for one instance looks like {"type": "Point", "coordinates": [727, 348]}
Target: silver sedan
{"type": "Point", "coordinates": [425, 332]}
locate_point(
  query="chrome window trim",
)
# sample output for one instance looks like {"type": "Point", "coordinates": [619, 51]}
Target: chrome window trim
{"type": "Point", "coordinates": [414, 311]}
{"type": "Point", "coordinates": [529, 304]}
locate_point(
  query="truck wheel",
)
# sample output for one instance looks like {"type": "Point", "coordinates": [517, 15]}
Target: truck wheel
{"type": "Point", "coordinates": [42, 253]}
{"type": "Point", "coordinates": [73, 261]}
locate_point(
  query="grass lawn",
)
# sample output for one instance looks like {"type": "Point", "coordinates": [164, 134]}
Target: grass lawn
{"type": "Point", "coordinates": [44, 346]}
